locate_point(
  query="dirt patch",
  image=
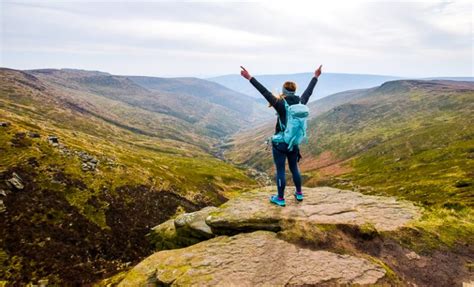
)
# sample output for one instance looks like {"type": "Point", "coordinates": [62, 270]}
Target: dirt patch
{"type": "Point", "coordinates": [310, 162]}
{"type": "Point", "coordinates": [447, 267]}
{"type": "Point", "coordinates": [326, 164]}
{"type": "Point", "coordinates": [44, 236]}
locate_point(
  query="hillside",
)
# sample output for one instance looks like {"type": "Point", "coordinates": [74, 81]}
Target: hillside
{"type": "Point", "coordinates": [158, 106]}
{"type": "Point", "coordinates": [90, 162]}
{"type": "Point", "coordinates": [411, 139]}
{"type": "Point", "coordinates": [331, 83]}
{"type": "Point", "coordinates": [87, 168]}
{"type": "Point", "coordinates": [201, 90]}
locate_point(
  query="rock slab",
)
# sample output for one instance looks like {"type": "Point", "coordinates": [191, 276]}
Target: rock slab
{"type": "Point", "coordinates": [321, 205]}
{"type": "Point", "coordinates": [250, 259]}
{"type": "Point", "coordinates": [184, 230]}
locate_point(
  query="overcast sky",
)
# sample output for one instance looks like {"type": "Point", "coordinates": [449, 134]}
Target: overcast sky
{"type": "Point", "coordinates": [182, 38]}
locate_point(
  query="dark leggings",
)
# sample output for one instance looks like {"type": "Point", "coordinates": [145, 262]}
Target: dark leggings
{"type": "Point", "coordinates": [280, 153]}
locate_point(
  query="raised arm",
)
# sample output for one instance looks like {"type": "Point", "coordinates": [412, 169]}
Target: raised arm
{"type": "Point", "coordinates": [265, 93]}
{"type": "Point", "coordinates": [309, 90]}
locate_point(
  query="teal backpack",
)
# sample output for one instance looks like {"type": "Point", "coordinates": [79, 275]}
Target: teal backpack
{"type": "Point", "coordinates": [294, 133]}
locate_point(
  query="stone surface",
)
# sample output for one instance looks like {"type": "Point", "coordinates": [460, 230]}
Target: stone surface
{"type": "Point", "coordinates": [53, 140]}
{"type": "Point", "coordinates": [15, 181]}
{"type": "Point", "coordinates": [413, 256]}
{"type": "Point", "coordinates": [250, 259]}
{"type": "Point", "coordinates": [186, 229]}
{"type": "Point", "coordinates": [89, 163]}
{"type": "Point", "coordinates": [3, 192]}
{"type": "Point", "coordinates": [2, 206]}
{"type": "Point", "coordinates": [322, 205]}
{"type": "Point", "coordinates": [194, 223]}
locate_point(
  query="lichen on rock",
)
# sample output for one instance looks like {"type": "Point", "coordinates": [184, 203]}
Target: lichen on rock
{"type": "Point", "coordinates": [322, 205]}
{"type": "Point", "coordinates": [184, 230]}
{"type": "Point", "coordinates": [251, 259]}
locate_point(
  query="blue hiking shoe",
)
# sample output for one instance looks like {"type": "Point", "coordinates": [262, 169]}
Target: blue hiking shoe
{"type": "Point", "coordinates": [275, 200]}
{"type": "Point", "coordinates": [298, 196]}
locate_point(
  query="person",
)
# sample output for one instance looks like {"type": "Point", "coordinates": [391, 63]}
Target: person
{"type": "Point", "coordinates": [280, 150]}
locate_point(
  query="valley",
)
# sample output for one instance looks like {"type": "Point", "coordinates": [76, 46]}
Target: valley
{"type": "Point", "coordinates": [91, 162]}
{"type": "Point", "coordinates": [100, 160]}
{"type": "Point", "coordinates": [410, 139]}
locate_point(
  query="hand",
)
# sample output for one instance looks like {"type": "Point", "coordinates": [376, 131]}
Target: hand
{"type": "Point", "coordinates": [245, 73]}
{"type": "Point", "coordinates": [317, 73]}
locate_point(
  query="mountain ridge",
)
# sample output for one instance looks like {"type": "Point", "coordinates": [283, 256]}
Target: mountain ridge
{"type": "Point", "coordinates": [330, 82]}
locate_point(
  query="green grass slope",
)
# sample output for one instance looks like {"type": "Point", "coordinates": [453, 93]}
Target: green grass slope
{"type": "Point", "coordinates": [410, 139]}
{"type": "Point", "coordinates": [197, 106]}
{"type": "Point", "coordinates": [74, 226]}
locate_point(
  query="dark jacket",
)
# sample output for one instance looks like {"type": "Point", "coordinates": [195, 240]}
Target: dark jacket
{"type": "Point", "coordinates": [279, 105]}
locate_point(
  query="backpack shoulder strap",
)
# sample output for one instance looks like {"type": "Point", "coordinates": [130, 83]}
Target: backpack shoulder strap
{"type": "Point", "coordinates": [282, 126]}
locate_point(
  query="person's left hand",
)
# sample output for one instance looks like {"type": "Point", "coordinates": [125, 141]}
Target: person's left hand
{"type": "Point", "coordinates": [318, 72]}
{"type": "Point", "coordinates": [245, 73]}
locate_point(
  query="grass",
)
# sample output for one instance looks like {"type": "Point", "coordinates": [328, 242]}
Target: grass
{"type": "Point", "coordinates": [412, 140]}
{"type": "Point", "coordinates": [143, 157]}
{"type": "Point", "coordinates": [439, 228]}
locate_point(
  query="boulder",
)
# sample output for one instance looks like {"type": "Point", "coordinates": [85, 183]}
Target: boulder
{"type": "Point", "coordinates": [251, 259]}
{"type": "Point", "coordinates": [194, 224]}
{"type": "Point", "coordinates": [236, 243]}
{"type": "Point", "coordinates": [15, 182]}
{"type": "Point", "coordinates": [53, 140]}
{"type": "Point", "coordinates": [88, 166]}
{"type": "Point", "coordinates": [186, 229]}
{"type": "Point", "coordinates": [2, 206]}
{"type": "Point", "coordinates": [322, 205]}
{"type": "Point", "coordinates": [89, 163]}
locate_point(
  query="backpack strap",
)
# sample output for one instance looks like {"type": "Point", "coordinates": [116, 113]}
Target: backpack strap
{"type": "Point", "coordinates": [282, 126]}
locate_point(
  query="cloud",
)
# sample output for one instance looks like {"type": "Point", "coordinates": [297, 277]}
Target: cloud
{"type": "Point", "coordinates": [400, 38]}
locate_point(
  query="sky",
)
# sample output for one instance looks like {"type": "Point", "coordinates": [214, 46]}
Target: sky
{"type": "Point", "coordinates": [192, 38]}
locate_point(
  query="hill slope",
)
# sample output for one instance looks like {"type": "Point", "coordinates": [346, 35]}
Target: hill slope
{"type": "Point", "coordinates": [331, 83]}
{"type": "Point", "coordinates": [201, 90]}
{"type": "Point", "coordinates": [157, 105]}
{"type": "Point", "coordinates": [412, 139]}
{"type": "Point", "coordinates": [87, 167]}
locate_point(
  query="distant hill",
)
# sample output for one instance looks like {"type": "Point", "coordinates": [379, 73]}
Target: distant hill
{"type": "Point", "coordinates": [462, 79]}
{"type": "Point", "coordinates": [330, 82]}
{"type": "Point", "coordinates": [194, 105]}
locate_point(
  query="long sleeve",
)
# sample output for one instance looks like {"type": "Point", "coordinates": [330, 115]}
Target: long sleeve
{"type": "Point", "coordinates": [309, 91]}
{"type": "Point", "coordinates": [265, 93]}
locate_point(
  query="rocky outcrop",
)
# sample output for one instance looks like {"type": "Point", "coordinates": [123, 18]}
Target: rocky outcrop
{"type": "Point", "coordinates": [186, 229]}
{"type": "Point", "coordinates": [240, 244]}
{"type": "Point", "coordinates": [322, 205]}
{"type": "Point", "coordinates": [2, 206]}
{"type": "Point", "coordinates": [251, 211]}
{"type": "Point", "coordinates": [250, 259]}
{"type": "Point", "coordinates": [53, 140]}
{"type": "Point", "coordinates": [15, 182]}
{"type": "Point", "coordinates": [89, 163]}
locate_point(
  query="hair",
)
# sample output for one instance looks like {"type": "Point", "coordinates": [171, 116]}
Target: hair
{"type": "Point", "coordinates": [289, 86]}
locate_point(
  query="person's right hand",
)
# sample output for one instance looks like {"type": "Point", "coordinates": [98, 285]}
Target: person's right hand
{"type": "Point", "coordinates": [317, 73]}
{"type": "Point", "coordinates": [245, 73]}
